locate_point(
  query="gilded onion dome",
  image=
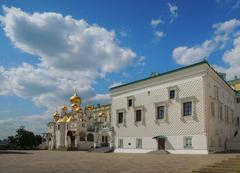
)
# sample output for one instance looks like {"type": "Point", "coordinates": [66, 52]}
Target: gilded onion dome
{"type": "Point", "coordinates": [75, 98]}
{"type": "Point", "coordinates": [78, 109]}
{"type": "Point", "coordinates": [64, 108]}
{"type": "Point", "coordinates": [89, 107]}
{"type": "Point", "coordinates": [101, 114]}
{"type": "Point", "coordinates": [75, 105]}
{"type": "Point", "coordinates": [56, 116]}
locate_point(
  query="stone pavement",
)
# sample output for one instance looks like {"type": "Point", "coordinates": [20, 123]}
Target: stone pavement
{"type": "Point", "coordinates": [84, 162]}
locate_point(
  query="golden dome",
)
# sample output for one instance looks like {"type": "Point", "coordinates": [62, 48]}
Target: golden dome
{"type": "Point", "coordinates": [101, 114]}
{"type": "Point", "coordinates": [56, 116]}
{"type": "Point", "coordinates": [74, 105]}
{"type": "Point", "coordinates": [75, 98]}
{"type": "Point", "coordinates": [64, 108]}
{"type": "Point", "coordinates": [89, 107]}
{"type": "Point", "coordinates": [78, 109]}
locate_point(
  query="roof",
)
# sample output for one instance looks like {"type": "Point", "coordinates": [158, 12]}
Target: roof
{"type": "Point", "coordinates": [162, 74]}
{"type": "Point", "coordinates": [160, 137]}
{"type": "Point", "coordinates": [234, 81]}
{"type": "Point", "coordinates": [173, 71]}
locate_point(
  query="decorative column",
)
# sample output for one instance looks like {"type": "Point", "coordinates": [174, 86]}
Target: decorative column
{"type": "Point", "coordinates": [95, 141]}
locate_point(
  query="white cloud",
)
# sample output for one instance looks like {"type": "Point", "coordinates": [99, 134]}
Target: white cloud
{"type": "Point", "coordinates": [155, 22]}
{"type": "Point", "coordinates": [72, 54]}
{"type": "Point", "coordinates": [226, 33]}
{"type": "Point", "coordinates": [140, 61]}
{"type": "Point", "coordinates": [173, 9]}
{"type": "Point", "coordinates": [75, 44]}
{"type": "Point", "coordinates": [159, 34]}
{"type": "Point", "coordinates": [100, 98]}
{"type": "Point", "coordinates": [226, 27]}
{"type": "Point", "coordinates": [188, 55]}
{"type": "Point", "coordinates": [232, 58]}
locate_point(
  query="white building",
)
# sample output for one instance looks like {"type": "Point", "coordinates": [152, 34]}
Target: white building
{"type": "Point", "coordinates": [187, 110]}
{"type": "Point", "coordinates": [77, 128]}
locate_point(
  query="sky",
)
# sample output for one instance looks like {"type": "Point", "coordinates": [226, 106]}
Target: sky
{"type": "Point", "coordinates": [50, 48]}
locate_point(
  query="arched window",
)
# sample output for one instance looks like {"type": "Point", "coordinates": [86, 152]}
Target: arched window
{"type": "Point", "coordinates": [82, 136]}
{"type": "Point", "coordinates": [90, 137]}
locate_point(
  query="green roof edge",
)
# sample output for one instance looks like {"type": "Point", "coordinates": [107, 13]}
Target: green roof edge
{"type": "Point", "coordinates": [172, 71]}
{"type": "Point", "coordinates": [233, 81]}
{"type": "Point", "coordinates": [162, 74]}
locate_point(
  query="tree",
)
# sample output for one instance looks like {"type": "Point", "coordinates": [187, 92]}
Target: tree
{"type": "Point", "coordinates": [38, 140]}
{"type": "Point", "coordinates": [25, 139]}
{"type": "Point", "coordinates": [12, 140]}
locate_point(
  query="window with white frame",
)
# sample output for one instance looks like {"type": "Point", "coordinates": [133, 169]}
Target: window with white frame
{"type": "Point", "coordinates": [160, 112]}
{"type": "Point", "coordinates": [187, 142]}
{"type": "Point", "coordinates": [120, 117]}
{"type": "Point", "coordinates": [187, 108]}
{"type": "Point", "coordinates": [138, 115]}
{"type": "Point", "coordinates": [173, 92]}
{"type": "Point", "coordinates": [130, 101]}
{"type": "Point", "coordinates": [138, 143]}
{"type": "Point", "coordinates": [120, 143]}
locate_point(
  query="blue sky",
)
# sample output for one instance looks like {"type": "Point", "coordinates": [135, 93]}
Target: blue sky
{"type": "Point", "coordinates": [47, 50]}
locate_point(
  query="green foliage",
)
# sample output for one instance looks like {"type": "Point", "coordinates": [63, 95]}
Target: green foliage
{"type": "Point", "coordinates": [23, 140]}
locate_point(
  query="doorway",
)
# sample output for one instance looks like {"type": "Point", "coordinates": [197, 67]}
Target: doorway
{"type": "Point", "coordinates": [161, 144]}
{"type": "Point", "coordinates": [105, 142]}
{"type": "Point", "coordinates": [72, 139]}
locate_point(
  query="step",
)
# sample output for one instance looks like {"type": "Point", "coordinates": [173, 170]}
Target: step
{"type": "Point", "coordinates": [221, 169]}
{"type": "Point", "coordinates": [225, 166]}
{"type": "Point", "coordinates": [230, 161]}
{"type": "Point", "coordinates": [213, 171]}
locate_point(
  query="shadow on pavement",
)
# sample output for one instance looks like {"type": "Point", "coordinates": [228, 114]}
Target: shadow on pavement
{"type": "Point", "coordinates": [13, 152]}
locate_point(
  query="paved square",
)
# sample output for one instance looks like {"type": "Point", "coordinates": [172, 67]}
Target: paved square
{"type": "Point", "coordinates": [83, 162]}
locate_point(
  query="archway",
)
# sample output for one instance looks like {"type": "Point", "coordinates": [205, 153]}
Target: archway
{"type": "Point", "coordinates": [105, 138]}
{"type": "Point", "coordinates": [90, 137]}
{"type": "Point", "coordinates": [72, 138]}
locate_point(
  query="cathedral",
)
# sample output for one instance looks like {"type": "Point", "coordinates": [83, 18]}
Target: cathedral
{"type": "Point", "coordinates": [80, 128]}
